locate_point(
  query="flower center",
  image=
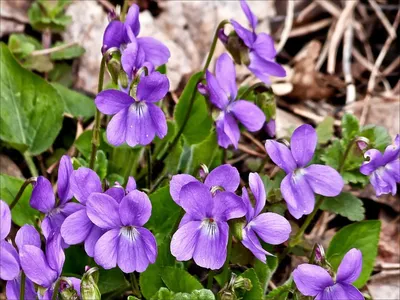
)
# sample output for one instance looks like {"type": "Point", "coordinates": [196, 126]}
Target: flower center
{"type": "Point", "coordinates": [210, 226]}
{"type": "Point", "coordinates": [129, 232]}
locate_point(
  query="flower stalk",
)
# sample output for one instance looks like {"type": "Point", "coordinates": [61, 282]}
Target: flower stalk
{"type": "Point", "coordinates": [31, 165]}
{"type": "Point", "coordinates": [135, 286]}
{"type": "Point", "coordinates": [22, 286]}
{"type": "Point", "coordinates": [97, 118]}
{"type": "Point", "coordinates": [21, 191]}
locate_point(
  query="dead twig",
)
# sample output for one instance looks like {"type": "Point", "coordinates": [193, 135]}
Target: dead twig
{"type": "Point", "coordinates": [250, 151]}
{"type": "Point", "coordinates": [304, 13]}
{"type": "Point", "coordinates": [254, 140]}
{"type": "Point", "coordinates": [347, 47]}
{"type": "Point", "coordinates": [374, 73]}
{"type": "Point", "coordinates": [306, 29]}
{"type": "Point", "coordinates": [382, 17]}
{"type": "Point", "coordinates": [338, 33]}
{"type": "Point", "coordinates": [288, 25]}
{"type": "Point", "coordinates": [52, 50]}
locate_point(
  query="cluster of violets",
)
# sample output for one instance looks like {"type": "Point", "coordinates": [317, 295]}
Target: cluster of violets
{"type": "Point", "coordinates": [110, 221]}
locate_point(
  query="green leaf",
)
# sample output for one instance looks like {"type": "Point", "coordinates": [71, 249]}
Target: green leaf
{"type": "Point", "coordinates": [40, 63]}
{"type": "Point", "coordinates": [84, 143]}
{"type": "Point", "coordinates": [150, 280]}
{"type": "Point", "coordinates": [363, 236]}
{"type": "Point", "coordinates": [325, 130]}
{"type": "Point", "coordinates": [31, 109]}
{"type": "Point", "coordinates": [350, 127]}
{"type": "Point", "coordinates": [355, 177]}
{"type": "Point", "coordinates": [378, 136]}
{"type": "Point", "coordinates": [22, 45]}
{"type": "Point", "coordinates": [281, 292]}
{"type": "Point", "coordinates": [22, 213]}
{"type": "Point", "coordinates": [186, 283]}
{"type": "Point", "coordinates": [346, 205]}
{"type": "Point", "coordinates": [201, 154]}
{"type": "Point", "coordinates": [265, 271]}
{"type": "Point", "coordinates": [44, 15]}
{"type": "Point", "coordinates": [111, 280]}
{"type": "Point", "coordinates": [101, 164]}
{"type": "Point", "coordinates": [75, 104]}
{"type": "Point", "coordinates": [256, 292]}
{"type": "Point", "coordinates": [62, 73]}
{"type": "Point", "coordinates": [67, 53]}
{"type": "Point", "coordinates": [333, 154]}
{"type": "Point", "coordinates": [164, 213]}
{"type": "Point", "coordinates": [198, 126]}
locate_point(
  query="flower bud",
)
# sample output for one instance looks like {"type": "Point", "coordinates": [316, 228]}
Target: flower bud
{"type": "Point", "coordinates": [67, 290]}
{"type": "Point", "coordinates": [227, 295]}
{"type": "Point", "coordinates": [236, 48]}
{"type": "Point", "coordinates": [270, 127]}
{"type": "Point", "coordinates": [243, 283]}
{"type": "Point", "coordinates": [113, 61]}
{"type": "Point", "coordinates": [89, 289]}
{"type": "Point", "coordinates": [362, 143]}
{"type": "Point", "coordinates": [202, 89]}
{"type": "Point", "coordinates": [237, 226]}
{"type": "Point", "coordinates": [319, 254]}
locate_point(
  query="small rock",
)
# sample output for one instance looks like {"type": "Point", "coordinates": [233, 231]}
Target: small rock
{"type": "Point", "coordinates": [7, 166]}
{"type": "Point", "coordinates": [9, 26]}
{"type": "Point", "coordinates": [286, 123]}
{"type": "Point", "coordinates": [89, 21]}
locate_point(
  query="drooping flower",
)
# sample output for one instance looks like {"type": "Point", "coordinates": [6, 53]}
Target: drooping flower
{"type": "Point", "coordinates": [126, 242]}
{"type": "Point", "coordinates": [223, 177]}
{"type": "Point", "coordinates": [43, 199]}
{"type": "Point", "coordinates": [256, 51]}
{"type": "Point", "coordinates": [135, 51]}
{"type": "Point", "coordinates": [301, 182]}
{"type": "Point", "coordinates": [270, 227]}
{"type": "Point", "coordinates": [44, 269]}
{"type": "Point", "coordinates": [203, 230]}
{"type": "Point", "coordinates": [136, 118]}
{"type": "Point", "coordinates": [383, 170]}
{"type": "Point", "coordinates": [270, 127]}
{"type": "Point", "coordinates": [315, 281]}
{"type": "Point", "coordinates": [222, 91]}
{"type": "Point", "coordinates": [9, 259]}
{"type": "Point", "coordinates": [78, 228]}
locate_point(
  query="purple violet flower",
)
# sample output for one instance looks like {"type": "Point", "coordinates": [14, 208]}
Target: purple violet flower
{"type": "Point", "coordinates": [135, 51]}
{"type": "Point", "coordinates": [301, 182]}
{"type": "Point", "coordinates": [43, 199]}
{"type": "Point", "coordinates": [222, 91]}
{"type": "Point", "coordinates": [270, 127]}
{"type": "Point", "coordinates": [9, 259]}
{"type": "Point", "coordinates": [383, 170]}
{"type": "Point", "coordinates": [270, 227]}
{"type": "Point", "coordinates": [260, 48]}
{"type": "Point", "coordinates": [136, 118]}
{"type": "Point", "coordinates": [203, 230]}
{"type": "Point", "coordinates": [126, 242]}
{"type": "Point", "coordinates": [315, 281]}
{"type": "Point", "coordinates": [77, 227]}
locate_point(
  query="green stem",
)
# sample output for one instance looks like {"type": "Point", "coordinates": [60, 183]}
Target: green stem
{"type": "Point", "coordinates": [56, 290]}
{"type": "Point", "coordinates": [193, 96]}
{"type": "Point", "coordinates": [210, 279]}
{"type": "Point", "coordinates": [21, 191]}
{"type": "Point", "coordinates": [31, 165]}
{"type": "Point", "coordinates": [124, 10]}
{"type": "Point", "coordinates": [263, 163]}
{"type": "Point", "coordinates": [225, 271]}
{"type": "Point", "coordinates": [346, 154]}
{"type": "Point", "coordinates": [97, 118]}
{"type": "Point", "coordinates": [214, 44]}
{"type": "Point", "coordinates": [22, 286]}
{"type": "Point", "coordinates": [303, 228]}
{"type": "Point", "coordinates": [149, 175]}
{"type": "Point", "coordinates": [252, 88]}
{"type": "Point", "coordinates": [159, 180]}
{"type": "Point", "coordinates": [135, 286]}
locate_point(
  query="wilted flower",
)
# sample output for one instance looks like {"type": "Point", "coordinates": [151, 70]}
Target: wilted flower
{"type": "Point", "coordinates": [43, 199]}
{"type": "Point", "coordinates": [126, 242]}
{"type": "Point", "coordinates": [135, 51]}
{"type": "Point", "coordinates": [136, 118]}
{"type": "Point", "coordinates": [383, 170]}
{"type": "Point", "coordinates": [222, 91]}
{"type": "Point", "coordinates": [256, 51]}
{"type": "Point", "coordinates": [315, 281]}
{"type": "Point", "coordinates": [301, 182]}
{"type": "Point", "coordinates": [270, 227]}
{"type": "Point", "coordinates": [9, 259]}
{"type": "Point", "coordinates": [77, 227]}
